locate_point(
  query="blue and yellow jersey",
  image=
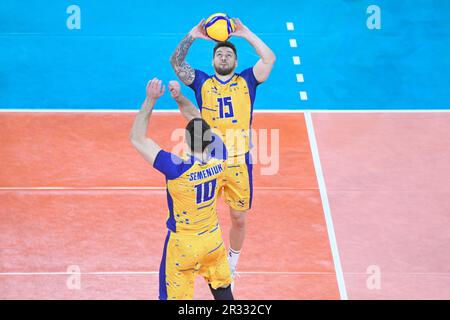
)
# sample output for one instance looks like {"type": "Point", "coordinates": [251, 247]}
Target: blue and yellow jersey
{"type": "Point", "coordinates": [192, 188]}
{"type": "Point", "coordinates": [228, 105]}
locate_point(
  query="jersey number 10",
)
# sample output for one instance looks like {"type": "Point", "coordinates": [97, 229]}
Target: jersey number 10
{"type": "Point", "coordinates": [224, 103]}
{"type": "Point", "coordinates": [205, 191]}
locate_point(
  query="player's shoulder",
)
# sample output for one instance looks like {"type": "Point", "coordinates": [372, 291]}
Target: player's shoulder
{"type": "Point", "coordinates": [217, 164]}
{"type": "Point", "coordinates": [201, 76]}
{"type": "Point", "coordinates": [249, 76]}
{"type": "Point", "coordinates": [199, 80]}
{"type": "Point", "coordinates": [213, 161]}
{"type": "Point", "coordinates": [172, 165]}
{"type": "Point", "coordinates": [246, 73]}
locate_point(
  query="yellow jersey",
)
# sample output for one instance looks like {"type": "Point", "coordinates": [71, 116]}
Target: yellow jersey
{"type": "Point", "coordinates": [192, 188]}
{"type": "Point", "coordinates": [228, 107]}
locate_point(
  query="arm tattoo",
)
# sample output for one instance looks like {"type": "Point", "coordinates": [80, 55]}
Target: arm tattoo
{"type": "Point", "coordinates": [186, 73]}
{"type": "Point", "coordinates": [182, 50]}
{"type": "Point", "coordinates": [182, 68]}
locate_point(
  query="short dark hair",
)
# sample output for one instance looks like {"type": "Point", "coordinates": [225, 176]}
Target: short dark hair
{"type": "Point", "coordinates": [225, 44]}
{"type": "Point", "coordinates": [198, 135]}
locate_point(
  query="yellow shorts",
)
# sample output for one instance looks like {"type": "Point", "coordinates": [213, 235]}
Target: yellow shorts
{"type": "Point", "coordinates": [238, 182]}
{"type": "Point", "coordinates": [186, 256]}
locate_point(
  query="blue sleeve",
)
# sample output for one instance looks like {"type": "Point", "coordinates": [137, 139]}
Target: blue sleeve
{"type": "Point", "coordinates": [200, 78]}
{"type": "Point", "coordinates": [249, 76]}
{"type": "Point", "coordinates": [168, 164]}
{"type": "Point", "coordinates": [252, 83]}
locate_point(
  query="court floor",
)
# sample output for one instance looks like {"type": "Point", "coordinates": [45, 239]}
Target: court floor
{"type": "Point", "coordinates": [75, 194]}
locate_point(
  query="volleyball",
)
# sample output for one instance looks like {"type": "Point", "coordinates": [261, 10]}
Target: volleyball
{"type": "Point", "coordinates": [219, 27]}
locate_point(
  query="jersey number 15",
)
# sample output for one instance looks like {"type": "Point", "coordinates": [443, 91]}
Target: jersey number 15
{"type": "Point", "coordinates": [225, 103]}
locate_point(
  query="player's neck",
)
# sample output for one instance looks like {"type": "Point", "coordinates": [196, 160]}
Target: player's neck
{"type": "Point", "coordinates": [224, 78]}
{"type": "Point", "coordinates": [203, 157]}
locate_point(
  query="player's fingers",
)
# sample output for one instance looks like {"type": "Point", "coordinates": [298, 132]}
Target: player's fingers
{"type": "Point", "coordinates": [175, 84]}
{"type": "Point", "coordinates": [152, 84]}
{"type": "Point", "coordinates": [174, 90]}
{"type": "Point", "coordinates": [157, 84]}
{"type": "Point", "coordinates": [163, 89]}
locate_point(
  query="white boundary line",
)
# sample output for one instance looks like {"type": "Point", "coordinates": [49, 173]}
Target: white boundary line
{"type": "Point", "coordinates": [378, 111]}
{"type": "Point", "coordinates": [255, 111]}
{"type": "Point", "coordinates": [326, 206]}
{"type": "Point", "coordinates": [131, 188]}
{"type": "Point", "coordinates": [153, 272]}
{"type": "Point", "coordinates": [306, 273]}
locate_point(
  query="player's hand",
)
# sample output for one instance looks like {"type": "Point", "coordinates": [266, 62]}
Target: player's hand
{"type": "Point", "coordinates": [241, 30]}
{"type": "Point", "coordinates": [175, 89]}
{"type": "Point", "coordinates": [155, 89]}
{"type": "Point", "coordinates": [198, 32]}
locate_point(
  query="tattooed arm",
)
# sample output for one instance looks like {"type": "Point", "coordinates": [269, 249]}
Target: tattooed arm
{"type": "Point", "coordinates": [183, 70]}
{"type": "Point", "coordinates": [178, 59]}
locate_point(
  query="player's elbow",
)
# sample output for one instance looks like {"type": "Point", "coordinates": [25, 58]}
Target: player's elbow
{"type": "Point", "coordinates": [135, 140]}
{"type": "Point", "coordinates": [172, 61]}
{"type": "Point", "coordinates": [271, 59]}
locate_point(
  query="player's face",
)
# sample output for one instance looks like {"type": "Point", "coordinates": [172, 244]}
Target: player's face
{"type": "Point", "coordinates": [224, 61]}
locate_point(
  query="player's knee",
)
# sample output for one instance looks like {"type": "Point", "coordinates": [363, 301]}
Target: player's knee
{"type": "Point", "coordinates": [238, 219]}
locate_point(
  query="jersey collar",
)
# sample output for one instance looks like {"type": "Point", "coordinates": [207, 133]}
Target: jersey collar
{"type": "Point", "coordinates": [224, 82]}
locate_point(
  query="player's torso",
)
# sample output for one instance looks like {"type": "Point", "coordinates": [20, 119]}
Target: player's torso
{"type": "Point", "coordinates": [228, 106]}
{"type": "Point", "coordinates": [193, 197]}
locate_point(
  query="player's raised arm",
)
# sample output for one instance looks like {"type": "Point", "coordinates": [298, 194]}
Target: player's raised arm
{"type": "Point", "coordinates": [264, 65]}
{"type": "Point", "coordinates": [138, 135]}
{"type": "Point", "coordinates": [186, 107]}
{"type": "Point", "coordinates": [183, 70]}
